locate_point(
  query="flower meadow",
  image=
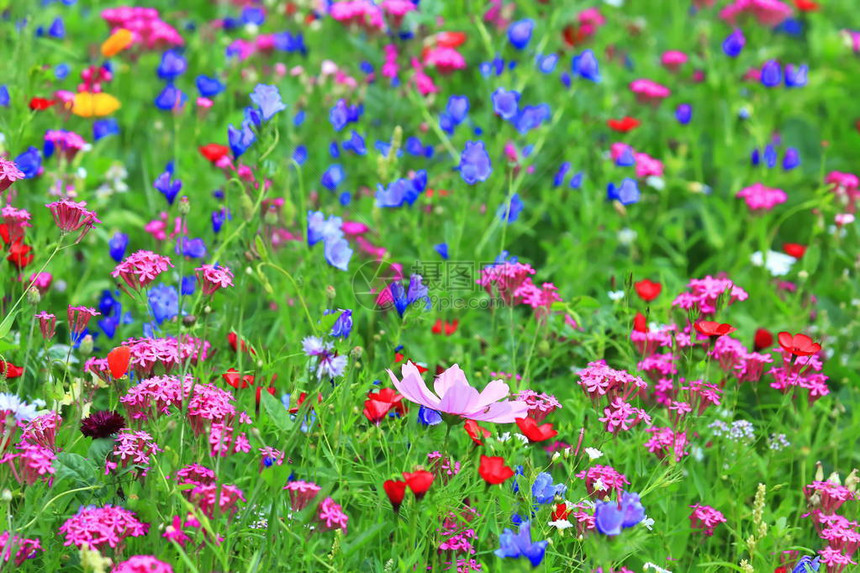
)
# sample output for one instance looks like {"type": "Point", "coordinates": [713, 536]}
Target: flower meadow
{"type": "Point", "coordinates": [402, 285]}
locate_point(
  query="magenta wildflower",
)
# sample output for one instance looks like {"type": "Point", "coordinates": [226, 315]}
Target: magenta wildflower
{"type": "Point", "coordinates": [270, 457]}
{"type": "Point", "coordinates": [214, 277]}
{"type": "Point", "coordinates": [196, 474]}
{"type": "Point", "coordinates": [66, 143]}
{"type": "Point", "coordinates": [30, 463]}
{"type": "Point", "coordinates": [704, 294]}
{"type": "Point", "coordinates": [71, 216]}
{"type": "Point", "coordinates": [100, 527]}
{"type": "Point", "coordinates": [603, 481]}
{"type": "Point", "coordinates": [140, 269]}
{"type": "Point", "coordinates": [705, 518]}
{"type": "Point", "coordinates": [42, 430]}
{"type": "Point", "coordinates": [540, 405]}
{"type": "Point", "coordinates": [504, 279]}
{"type": "Point", "coordinates": [9, 173]}
{"type": "Point", "coordinates": [761, 198]}
{"type": "Point", "coordinates": [665, 442]}
{"type": "Point", "coordinates": [142, 564]}
{"type": "Point", "coordinates": [301, 493]}
{"type": "Point", "coordinates": [648, 91]}
{"type": "Point", "coordinates": [132, 448]}
{"type": "Point", "coordinates": [331, 515]}
{"type": "Point", "coordinates": [17, 548]}
{"type": "Point", "coordinates": [79, 317]}
{"type": "Point", "coordinates": [222, 498]}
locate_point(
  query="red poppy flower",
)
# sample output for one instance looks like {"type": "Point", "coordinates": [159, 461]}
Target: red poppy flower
{"type": "Point", "coordinates": [640, 323]}
{"type": "Point", "coordinates": [560, 513]}
{"type": "Point", "coordinates": [235, 343]}
{"type": "Point", "coordinates": [395, 490]}
{"type": "Point", "coordinates": [41, 104]}
{"type": "Point", "coordinates": [301, 400]}
{"type": "Point", "coordinates": [624, 125]}
{"type": "Point", "coordinates": [448, 328]}
{"type": "Point", "coordinates": [798, 344]}
{"type": "Point", "coordinates": [573, 36]}
{"type": "Point", "coordinates": [19, 254]}
{"type": "Point", "coordinates": [419, 482]}
{"type": "Point", "coordinates": [763, 339]}
{"type": "Point", "coordinates": [794, 249]}
{"type": "Point", "coordinates": [118, 361]}
{"type": "Point", "coordinates": [391, 397]}
{"type": "Point", "coordinates": [712, 328]}
{"type": "Point", "coordinates": [476, 432]}
{"type": "Point", "coordinates": [375, 411]}
{"type": "Point", "coordinates": [4, 234]}
{"type": "Point", "coordinates": [530, 429]}
{"type": "Point", "coordinates": [451, 39]}
{"type": "Point", "coordinates": [648, 290]}
{"type": "Point", "coordinates": [781, 569]}
{"type": "Point", "coordinates": [493, 470]}
{"type": "Point", "coordinates": [806, 5]}
{"type": "Point", "coordinates": [398, 357]}
{"type": "Point", "coordinates": [10, 370]}
{"type": "Point", "coordinates": [236, 380]}
{"type": "Point", "coordinates": [213, 151]}
{"type": "Point", "coordinates": [259, 393]}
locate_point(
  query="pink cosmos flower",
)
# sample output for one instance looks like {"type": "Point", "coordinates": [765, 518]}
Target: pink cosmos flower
{"type": "Point", "coordinates": [648, 91]}
{"type": "Point", "coordinates": [761, 198]}
{"type": "Point", "coordinates": [9, 173]}
{"type": "Point", "coordinates": [214, 277]}
{"type": "Point", "coordinates": [768, 13]}
{"type": "Point", "coordinates": [454, 396]}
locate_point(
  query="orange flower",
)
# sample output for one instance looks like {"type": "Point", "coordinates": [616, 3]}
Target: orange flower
{"type": "Point", "coordinates": [117, 42]}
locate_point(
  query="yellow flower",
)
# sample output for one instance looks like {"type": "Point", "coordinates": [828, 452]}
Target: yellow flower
{"type": "Point", "coordinates": [117, 42]}
{"type": "Point", "coordinates": [88, 104]}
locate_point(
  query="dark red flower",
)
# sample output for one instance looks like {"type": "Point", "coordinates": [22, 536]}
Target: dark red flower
{"type": "Point", "coordinates": [640, 323]}
{"type": "Point", "coordinates": [10, 370]}
{"type": "Point", "coordinates": [794, 249]}
{"type": "Point", "coordinates": [763, 339]}
{"type": "Point", "coordinates": [236, 380]}
{"type": "Point", "coordinates": [560, 513]}
{"type": "Point", "coordinates": [118, 359]}
{"type": "Point", "coordinates": [102, 424]}
{"type": "Point", "coordinates": [213, 151]}
{"type": "Point", "coordinates": [535, 433]}
{"type": "Point", "coordinates": [573, 35]}
{"type": "Point", "coordinates": [41, 104]}
{"type": "Point", "coordinates": [419, 482]}
{"type": "Point", "coordinates": [476, 432]}
{"type": "Point", "coordinates": [493, 470]}
{"type": "Point", "coordinates": [19, 254]}
{"type": "Point", "coordinates": [624, 125]}
{"type": "Point", "coordinates": [712, 328]}
{"type": "Point", "coordinates": [395, 490]}
{"type": "Point", "coordinates": [648, 290]}
{"type": "Point", "coordinates": [798, 344]}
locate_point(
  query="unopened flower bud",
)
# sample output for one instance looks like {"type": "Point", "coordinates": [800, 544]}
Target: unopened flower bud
{"type": "Point", "coordinates": [86, 346]}
{"type": "Point", "coordinates": [356, 353]}
{"type": "Point", "coordinates": [33, 296]}
{"type": "Point", "coordinates": [852, 480]}
{"type": "Point", "coordinates": [189, 320]}
{"type": "Point", "coordinates": [330, 292]}
{"type": "Point", "coordinates": [184, 205]}
{"type": "Point", "coordinates": [271, 216]}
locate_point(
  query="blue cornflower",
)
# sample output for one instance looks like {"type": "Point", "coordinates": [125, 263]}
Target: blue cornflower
{"type": "Point", "coordinates": [163, 302]}
{"type": "Point", "coordinates": [355, 143]}
{"type": "Point", "coordinates": [173, 65]}
{"type": "Point", "coordinates": [626, 194]}
{"type": "Point", "coordinates": [209, 86]}
{"type": "Point", "coordinates": [30, 162]}
{"type": "Point", "coordinates": [561, 174]}
{"type": "Point", "coordinates": [339, 115]}
{"type": "Point", "coordinates": [403, 298]}
{"type": "Point", "coordinates": [610, 517]}
{"type": "Point", "coordinates": [300, 155]}
{"type": "Point", "coordinates": [4, 96]}
{"type": "Point", "coordinates": [187, 285]}
{"type": "Point", "coordinates": [191, 248]}
{"type": "Point", "coordinates": [240, 139]}
{"type": "Point", "coordinates": [105, 127]}
{"type": "Point", "coordinates": [769, 156]}
{"type": "Point", "coordinates": [338, 253]}
{"type": "Point", "coordinates": [268, 99]}
{"type": "Point", "coordinates": [506, 103]}
{"type": "Point", "coordinates": [576, 180]}
{"type": "Point", "coordinates": [429, 417]}
{"type": "Point", "coordinates": [734, 43]}
{"type": "Point", "coordinates": [796, 76]}
{"type": "Point", "coordinates": [457, 108]}
{"type": "Point", "coordinates": [510, 212]}
{"type": "Point", "coordinates": [170, 98]}
{"type": "Point", "coordinates": [546, 64]}
{"type": "Point", "coordinates": [334, 150]}
{"type": "Point", "coordinates": [442, 249]}
{"type": "Point", "coordinates": [684, 113]}
{"type": "Point", "coordinates": [755, 157]}
{"type": "Point", "coordinates": [807, 565]}
{"type": "Point", "coordinates": [61, 71]}
{"type": "Point", "coordinates": [219, 217]}
{"type": "Point", "coordinates": [771, 74]}
{"type": "Point", "coordinates": [57, 29]}
{"type": "Point", "coordinates": [790, 159]}
{"type": "Point", "coordinates": [531, 116]}
{"type": "Point", "coordinates": [585, 66]}
{"type": "Point", "coordinates": [544, 491]}
{"type": "Point", "coordinates": [332, 177]}
{"type": "Point", "coordinates": [320, 228]}
{"type": "Point", "coordinates": [299, 118]}
{"type": "Point", "coordinates": [343, 325]}
{"type": "Point", "coordinates": [475, 163]}
{"type": "Point", "coordinates": [252, 15]}
{"type": "Point", "coordinates": [165, 184]}
{"type": "Point", "coordinates": [117, 246]}
{"type": "Point", "coordinates": [520, 33]}
{"type": "Point", "coordinates": [516, 545]}
{"type": "Point", "coordinates": [626, 158]}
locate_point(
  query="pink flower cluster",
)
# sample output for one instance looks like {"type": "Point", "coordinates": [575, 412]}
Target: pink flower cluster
{"type": "Point", "coordinates": [665, 442]}
{"type": "Point", "coordinates": [705, 518]}
{"type": "Point", "coordinates": [804, 372]}
{"type": "Point", "coordinates": [841, 534]}
{"type": "Point", "coordinates": [762, 198]}
{"type": "Point", "coordinates": [164, 354]}
{"type": "Point", "coordinates": [846, 187]}
{"type": "Point", "coordinates": [18, 548]}
{"type": "Point", "coordinates": [648, 91]}
{"type": "Point", "coordinates": [540, 405]}
{"type": "Point", "coordinates": [222, 441]}
{"type": "Point", "coordinates": [9, 173]}
{"type": "Point", "coordinates": [768, 13]}
{"type": "Point", "coordinates": [504, 279]}
{"type": "Point", "coordinates": [142, 564]}
{"type": "Point", "coordinates": [71, 216]}
{"type": "Point", "coordinates": [67, 144]}
{"type": "Point", "coordinates": [42, 430]}
{"type": "Point", "coordinates": [223, 498]}
{"type": "Point", "coordinates": [733, 358]}
{"type": "Point", "coordinates": [148, 30]}
{"type": "Point", "coordinates": [214, 277]}
{"type": "Point", "coordinates": [30, 463]}
{"type": "Point", "coordinates": [704, 294]}
{"type": "Point", "coordinates": [138, 270]}
{"type": "Point", "coordinates": [16, 221]}
{"type": "Point", "coordinates": [331, 516]}
{"type": "Point", "coordinates": [359, 13]}
{"type": "Point", "coordinates": [99, 527]}
{"type": "Point", "coordinates": [301, 493]}
{"type": "Point", "coordinates": [133, 448]}
{"type": "Point", "coordinates": [617, 386]}
{"type": "Point", "coordinates": [603, 481]}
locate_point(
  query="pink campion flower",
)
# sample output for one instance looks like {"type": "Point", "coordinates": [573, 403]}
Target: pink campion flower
{"type": "Point", "coordinates": [101, 527]}
{"type": "Point", "coordinates": [79, 317]}
{"type": "Point", "coordinates": [331, 515]}
{"type": "Point", "coordinates": [16, 221]}
{"type": "Point", "coordinates": [647, 166]}
{"type": "Point", "coordinates": [706, 292]}
{"type": "Point", "coordinates": [846, 186]}
{"type": "Point", "coordinates": [504, 279]}
{"type": "Point", "coordinates": [665, 442]}
{"type": "Point", "coordinates": [444, 59]}
{"type": "Point", "coordinates": [175, 530]}
{"type": "Point", "coordinates": [195, 474]}
{"type": "Point", "coordinates": [539, 298]}
{"type": "Point", "coordinates": [603, 481]}
{"type": "Point", "coordinates": [66, 143]}
{"type": "Point", "coordinates": [834, 559]}
{"type": "Point", "coordinates": [424, 83]}
{"type": "Point", "coordinates": [648, 343]}
{"type": "Point", "coordinates": [390, 68]}
{"type": "Point", "coordinates": [648, 91]}
{"type": "Point", "coordinates": [47, 324]}
{"type": "Point", "coordinates": [827, 496]}
{"type": "Point", "coordinates": [455, 397]}
{"type": "Point", "coordinates": [18, 548]}
{"type": "Point", "coordinates": [397, 9]}
{"type": "Point", "coordinates": [761, 198]}
{"type": "Point", "coordinates": [620, 415]}
{"type": "Point", "coordinates": [142, 564]}
{"type": "Point", "coordinates": [223, 443]}
{"type": "Point", "coordinates": [658, 366]}
{"type": "Point", "coordinates": [599, 380]}
{"type": "Point", "coordinates": [9, 173]}
{"type": "Point", "coordinates": [768, 13]}
{"type": "Point", "coordinates": [540, 405]}
{"type": "Point", "coordinates": [702, 395]}
{"type": "Point", "coordinates": [41, 282]}
{"type": "Point", "coordinates": [30, 463]}
{"type": "Point", "coordinates": [148, 30]}
{"type": "Point", "coordinates": [213, 278]}
{"type": "Point", "coordinates": [301, 493]}
{"type": "Point", "coordinates": [140, 269]}
{"type": "Point", "coordinates": [135, 448]}
{"type": "Point", "coordinates": [705, 518]}
{"type": "Point", "coordinates": [71, 216]}
{"type": "Point", "coordinates": [673, 60]}
{"type": "Point", "coordinates": [225, 498]}
{"type": "Point", "coordinates": [158, 227]}
{"type": "Point", "coordinates": [42, 430]}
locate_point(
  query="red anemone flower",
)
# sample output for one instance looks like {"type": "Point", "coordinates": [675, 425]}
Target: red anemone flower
{"type": "Point", "coordinates": [648, 290]}
{"type": "Point", "coordinates": [763, 339]}
{"type": "Point", "coordinates": [794, 249]}
{"type": "Point", "coordinates": [493, 470]}
{"type": "Point", "coordinates": [41, 104]}
{"type": "Point", "coordinates": [798, 344]}
{"type": "Point", "coordinates": [624, 125]}
{"type": "Point", "coordinates": [236, 380]}
{"type": "Point", "coordinates": [451, 39]}
{"type": "Point", "coordinates": [213, 151]}
{"type": "Point", "coordinates": [476, 432]}
{"type": "Point", "coordinates": [10, 370]}
{"type": "Point", "coordinates": [535, 433]}
{"type": "Point", "coordinates": [712, 328]}
{"type": "Point", "coordinates": [419, 482]}
{"type": "Point", "coordinates": [395, 490]}
{"type": "Point", "coordinates": [118, 359]}
{"type": "Point", "coordinates": [640, 323]}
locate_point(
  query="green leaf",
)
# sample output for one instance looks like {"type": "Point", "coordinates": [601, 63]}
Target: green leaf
{"type": "Point", "coordinates": [6, 325]}
{"type": "Point", "coordinates": [276, 412]}
{"type": "Point", "coordinates": [75, 468]}
{"type": "Point", "coordinates": [811, 259]}
{"type": "Point", "coordinates": [99, 450]}
{"type": "Point", "coordinates": [366, 536]}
